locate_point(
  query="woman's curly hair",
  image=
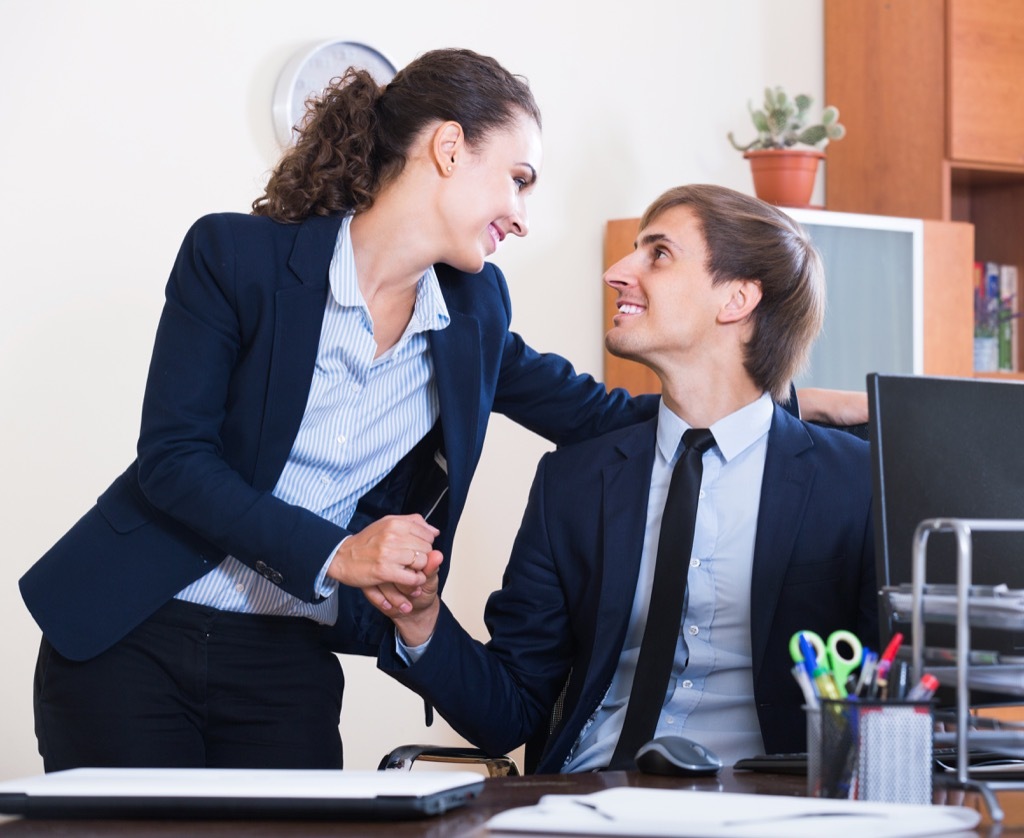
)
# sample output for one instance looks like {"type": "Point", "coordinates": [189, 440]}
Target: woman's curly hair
{"type": "Point", "coordinates": [355, 136]}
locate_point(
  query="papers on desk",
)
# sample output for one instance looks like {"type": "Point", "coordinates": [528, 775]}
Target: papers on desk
{"type": "Point", "coordinates": [993, 606]}
{"type": "Point", "coordinates": [702, 814]}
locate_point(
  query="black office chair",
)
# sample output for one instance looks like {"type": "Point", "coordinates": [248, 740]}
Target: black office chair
{"type": "Point", "coordinates": [404, 756]}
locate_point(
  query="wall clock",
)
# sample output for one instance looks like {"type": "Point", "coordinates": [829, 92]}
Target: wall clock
{"type": "Point", "coordinates": [311, 69]}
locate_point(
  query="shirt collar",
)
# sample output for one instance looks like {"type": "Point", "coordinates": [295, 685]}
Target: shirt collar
{"type": "Point", "coordinates": [733, 433]}
{"type": "Point", "coordinates": [430, 311]}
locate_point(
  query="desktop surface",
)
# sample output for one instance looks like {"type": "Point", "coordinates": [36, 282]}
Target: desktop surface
{"type": "Point", "coordinates": [499, 794]}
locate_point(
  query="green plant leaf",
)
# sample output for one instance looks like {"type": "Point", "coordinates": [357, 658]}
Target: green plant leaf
{"type": "Point", "coordinates": [812, 135]}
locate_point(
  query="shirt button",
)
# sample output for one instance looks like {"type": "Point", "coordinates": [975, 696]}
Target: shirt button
{"type": "Point", "coordinates": [325, 480]}
{"type": "Point", "coordinates": [342, 439]}
{"type": "Point", "coordinates": [700, 494]}
{"type": "Point", "coordinates": [240, 587]}
{"type": "Point", "coordinates": [694, 562]}
{"type": "Point", "coordinates": [356, 386]}
{"type": "Point", "coordinates": [670, 720]}
{"type": "Point", "coordinates": [688, 685]}
{"type": "Point", "coordinates": [694, 631]}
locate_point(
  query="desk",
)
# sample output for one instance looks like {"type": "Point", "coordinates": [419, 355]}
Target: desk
{"type": "Point", "coordinates": [465, 822]}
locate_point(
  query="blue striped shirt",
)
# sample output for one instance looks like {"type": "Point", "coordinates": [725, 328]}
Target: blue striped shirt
{"type": "Point", "coordinates": [363, 414]}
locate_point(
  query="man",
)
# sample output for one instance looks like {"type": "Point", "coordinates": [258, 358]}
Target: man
{"type": "Point", "coordinates": [722, 298]}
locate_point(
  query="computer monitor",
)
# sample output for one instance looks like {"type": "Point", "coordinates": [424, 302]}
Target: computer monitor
{"type": "Point", "coordinates": [947, 447]}
{"type": "Point", "coordinates": [874, 316]}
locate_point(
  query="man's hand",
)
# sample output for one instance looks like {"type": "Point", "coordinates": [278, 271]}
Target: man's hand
{"type": "Point", "coordinates": [394, 551]}
{"type": "Point", "coordinates": [833, 407]}
{"type": "Point", "coordinates": [415, 624]}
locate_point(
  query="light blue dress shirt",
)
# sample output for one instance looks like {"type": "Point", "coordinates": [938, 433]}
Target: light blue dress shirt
{"type": "Point", "coordinates": [363, 414]}
{"type": "Point", "coordinates": [710, 699]}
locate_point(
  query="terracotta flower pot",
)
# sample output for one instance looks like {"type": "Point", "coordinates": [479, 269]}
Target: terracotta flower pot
{"type": "Point", "coordinates": [784, 176]}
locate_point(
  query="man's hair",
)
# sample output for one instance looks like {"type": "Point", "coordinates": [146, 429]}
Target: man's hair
{"type": "Point", "coordinates": [749, 239]}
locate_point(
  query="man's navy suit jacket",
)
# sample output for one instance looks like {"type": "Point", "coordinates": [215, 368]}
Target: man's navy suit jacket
{"type": "Point", "coordinates": [233, 359]}
{"type": "Point", "coordinates": [568, 589]}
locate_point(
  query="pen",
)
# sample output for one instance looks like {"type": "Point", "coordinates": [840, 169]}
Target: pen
{"type": "Point", "coordinates": [809, 655]}
{"type": "Point", "coordinates": [902, 673]}
{"type": "Point", "coordinates": [803, 680]}
{"type": "Point", "coordinates": [867, 672]}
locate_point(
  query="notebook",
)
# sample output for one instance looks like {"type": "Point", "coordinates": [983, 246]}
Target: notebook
{"type": "Point", "coordinates": [238, 793]}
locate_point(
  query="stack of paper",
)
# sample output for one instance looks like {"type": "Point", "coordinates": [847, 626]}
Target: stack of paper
{"type": "Point", "coordinates": [662, 812]}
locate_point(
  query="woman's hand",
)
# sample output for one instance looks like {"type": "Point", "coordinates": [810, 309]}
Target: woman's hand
{"type": "Point", "coordinates": [394, 551]}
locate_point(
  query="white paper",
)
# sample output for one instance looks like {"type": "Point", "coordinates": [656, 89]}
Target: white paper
{"type": "Point", "coordinates": [701, 814]}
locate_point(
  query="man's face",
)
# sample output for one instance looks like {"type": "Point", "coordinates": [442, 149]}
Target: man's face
{"type": "Point", "coordinates": [668, 307]}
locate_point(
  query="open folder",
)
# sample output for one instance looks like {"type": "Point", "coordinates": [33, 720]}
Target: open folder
{"type": "Point", "coordinates": [237, 793]}
{"type": "Point", "coordinates": [703, 814]}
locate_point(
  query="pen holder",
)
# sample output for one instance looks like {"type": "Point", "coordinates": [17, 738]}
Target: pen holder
{"type": "Point", "coordinates": [813, 749]}
{"type": "Point", "coordinates": [871, 750]}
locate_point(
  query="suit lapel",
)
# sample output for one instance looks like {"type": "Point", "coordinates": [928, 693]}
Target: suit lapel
{"type": "Point", "coordinates": [785, 490]}
{"type": "Point", "coordinates": [626, 489]}
{"type": "Point", "coordinates": [299, 314]}
{"type": "Point", "coordinates": [456, 355]}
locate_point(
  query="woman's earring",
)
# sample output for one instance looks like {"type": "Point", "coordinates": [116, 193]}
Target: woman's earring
{"type": "Point", "coordinates": [449, 168]}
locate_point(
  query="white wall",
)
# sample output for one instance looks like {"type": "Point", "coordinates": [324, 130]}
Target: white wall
{"type": "Point", "coordinates": [124, 120]}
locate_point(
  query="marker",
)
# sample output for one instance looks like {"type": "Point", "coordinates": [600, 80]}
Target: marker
{"type": "Point", "coordinates": [880, 687]}
{"type": "Point", "coordinates": [925, 688]}
{"type": "Point", "coordinates": [826, 685]}
{"type": "Point", "coordinates": [889, 655]}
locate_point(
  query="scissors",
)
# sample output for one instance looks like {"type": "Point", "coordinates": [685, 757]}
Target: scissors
{"type": "Point", "coordinates": [829, 653]}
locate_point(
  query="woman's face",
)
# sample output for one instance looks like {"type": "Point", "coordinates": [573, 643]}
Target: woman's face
{"type": "Point", "coordinates": [485, 198]}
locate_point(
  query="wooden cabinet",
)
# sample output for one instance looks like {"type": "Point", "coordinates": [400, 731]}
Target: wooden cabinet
{"type": "Point", "coordinates": [896, 299]}
{"type": "Point", "coordinates": [932, 95]}
{"type": "Point", "coordinates": [985, 42]}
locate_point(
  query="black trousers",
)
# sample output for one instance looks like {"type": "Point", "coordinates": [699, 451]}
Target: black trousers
{"type": "Point", "coordinates": [194, 687]}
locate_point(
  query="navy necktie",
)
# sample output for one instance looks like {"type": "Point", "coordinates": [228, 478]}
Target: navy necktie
{"type": "Point", "coordinates": [665, 612]}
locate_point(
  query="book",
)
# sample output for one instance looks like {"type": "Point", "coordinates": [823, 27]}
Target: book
{"type": "Point", "coordinates": [1009, 293]}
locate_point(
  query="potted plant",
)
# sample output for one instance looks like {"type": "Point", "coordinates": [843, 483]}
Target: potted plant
{"type": "Point", "coordinates": [785, 154]}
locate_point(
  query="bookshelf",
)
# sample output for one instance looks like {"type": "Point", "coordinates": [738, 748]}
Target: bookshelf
{"type": "Point", "coordinates": [897, 302]}
{"type": "Point", "coordinates": [930, 93]}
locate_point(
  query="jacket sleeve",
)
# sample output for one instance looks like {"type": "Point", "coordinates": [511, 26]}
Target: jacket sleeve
{"type": "Point", "coordinates": [182, 469]}
{"type": "Point", "coordinates": [544, 393]}
{"type": "Point", "coordinates": [496, 695]}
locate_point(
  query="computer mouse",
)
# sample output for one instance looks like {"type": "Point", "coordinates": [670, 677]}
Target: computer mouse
{"type": "Point", "coordinates": [677, 756]}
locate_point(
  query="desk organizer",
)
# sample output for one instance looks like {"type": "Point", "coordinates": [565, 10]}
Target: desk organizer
{"type": "Point", "coordinates": [871, 750]}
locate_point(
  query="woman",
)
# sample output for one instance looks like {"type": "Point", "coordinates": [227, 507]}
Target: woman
{"type": "Point", "coordinates": [317, 353]}
{"type": "Point", "coordinates": [320, 386]}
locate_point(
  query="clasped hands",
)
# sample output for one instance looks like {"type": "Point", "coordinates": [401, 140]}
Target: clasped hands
{"type": "Point", "coordinates": [394, 563]}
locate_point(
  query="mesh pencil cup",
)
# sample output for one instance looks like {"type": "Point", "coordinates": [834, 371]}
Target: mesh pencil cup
{"type": "Point", "coordinates": [873, 750]}
{"type": "Point", "coordinates": [813, 749]}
